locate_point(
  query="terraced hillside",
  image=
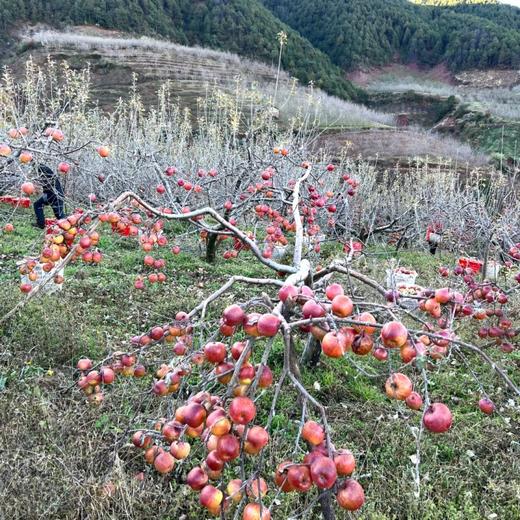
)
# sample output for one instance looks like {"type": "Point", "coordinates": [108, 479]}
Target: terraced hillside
{"type": "Point", "coordinates": [114, 60]}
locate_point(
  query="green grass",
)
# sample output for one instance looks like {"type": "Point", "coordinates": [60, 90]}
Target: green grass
{"type": "Point", "coordinates": [61, 451]}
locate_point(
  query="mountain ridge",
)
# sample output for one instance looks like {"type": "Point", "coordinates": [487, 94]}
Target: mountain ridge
{"type": "Point", "coordinates": [359, 33]}
{"type": "Point", "coordinates": [325, 39]}
{"type": "Point", "coordinates": [246, 27]}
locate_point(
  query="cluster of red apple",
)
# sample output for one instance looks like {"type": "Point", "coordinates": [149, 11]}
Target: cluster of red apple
{"type": "Point", "coordinates": [25, 156]}
{"type": "Point", "coordinates": [124, 222]}
{"type": "Point", "coordinates": [514, 251]}
{"type": "Point", "coordinates": [334, 343]}
{"type": "Point", "coordinates": [185, 184]}
{"type": "Point", "coordinates": [167, 378]}
{"type": "Point", "coordinates": [322, 468]}
{"type": "Point", "coordinates": [214, 352]}
{"type": "Point", "coordinates": [226, 433]}
{"type": "Point", "coordinates": [359, 339]}
{"type": "Point", "coordinates": [90, 380]}
{"type": "Point", "coordinates": [483, 301]}
{"type": "Point", "coordinates": [127, 222]}
{"type": "Point", "coordinates": [14, 134]}
{"type": "Point", "coordinates": [59, 240]}
{"type": "Point", "coordinates": [254, 324]}
{"type": "Point", "coordinates": [155, 277]}
{"type": "Point", "coordinates": [437, 417]}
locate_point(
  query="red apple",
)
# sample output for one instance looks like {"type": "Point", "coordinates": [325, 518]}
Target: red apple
{"type": "Point", "coordinates": [486, 406]}
{"type": "Point", "coordinates": [256, 439]}
{"type": "Point", "coordinates": [64, 167]}
{"type": "Point", "coordinates": [257, 488]}
{"type": "Point", "coordinates": [438, 418]}
{"type": "Point", "coordinates": [256, 511]}
{"type": "Point", "coordinates": [228, 447]}
{"type": "Point", "coordinates": [28, 188]}
{"type": "Point", "coordinates": [342, 306]}
{"type": "Point", "coordinates": [332, 346]}
{"type": "Point", "coordinates": [299, 478]}
{"type": "Point", "coordinates": [323, 472]}
{"type": "Point", "coordinates": [443, 295]}
{"type": "Point", "coordinates": [266, 376]}
{"type": "Point", "coordinates": [197, 478]}
{"type": "Point", "coordinates": [237, 349]}
{"type": "Point", "coordinates": [362, 344]}
{"type": "Point", "coordinates": [25, 157]}
{"type": "Point", "coordinates": [141, 440]}
{"type": "Point", "coordinates": [157, 333]}
{"type": "Point", "coordinates": [268, 325]}
{"type": "Point", "coordinates": [180, 449]}
{"type": "Point", "coordinates": [380, 353]}
{"type": "Point", "coordinates": [365, 317]}
{"type": "Point", "coordinates": [107, 375]}
{"type": "Point", "coordinates": [250, 324]}
{"type": "Point", "coordinates": [84, 364]}
{"type": "Point", "coordinates": [280, 476]}
{"type": "Point", "coordinates": [351, 495]}
{"type": "Point", "coordinates": [311, 309]}
{"type": "Point", "coordinates": [194, 414]}
{"type": "Point", "coordinates": [414, 401]}
{"type": "Point", "coordinates": [288, 291]}
{"type": "Point", "coordinates": [313, 433]}
{"type": "Point", "coordinates": [164, 463]}
{"type": "Point", "coordinates": [233, 315]}
{"type": "Point", "coordinates": [242, 410]}
{"type": "Point", "coordinates": [398, 386]}
{"type": "Point", "coordinates": [214, 462]}
{"type": "Point", "coordinates": [215, 352]}
{"type": "Point", "coordinates": [345, 462]}
{"type": "Point", "coordinates": [394, 334]}
{"type": "Point", "coordinates": [172, 430]}
{"type": "Point", "coordinates": [334, 290]}
{"type": "Point", "coordinates": [408, 352]}
{"type": "Point", "coordinates": [234, 490]}
{"type": "Point", "coordinates": [103, 151]}
{"type": "Point", "coordinates": [210, 497]}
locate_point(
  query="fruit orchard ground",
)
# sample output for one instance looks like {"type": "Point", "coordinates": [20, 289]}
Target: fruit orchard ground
{"type": "Point", "coordinates": [61, 452]}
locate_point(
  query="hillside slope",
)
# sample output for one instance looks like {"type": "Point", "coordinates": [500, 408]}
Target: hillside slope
{"type": "Point", "coordinates": [357, 33]}
{"type": "Point", "coordinates": [114, 60]}
{"type": "Point", "coordinates": [245, 27]}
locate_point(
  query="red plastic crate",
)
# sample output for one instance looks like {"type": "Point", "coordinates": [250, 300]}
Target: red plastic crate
{"type": "Point", "coordinates": [473, 264]}
{"type": "Point", "coordinates": [16, 201]}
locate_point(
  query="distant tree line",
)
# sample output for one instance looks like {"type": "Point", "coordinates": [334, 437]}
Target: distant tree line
{"type": "Point", "coordinates": [358, 33]}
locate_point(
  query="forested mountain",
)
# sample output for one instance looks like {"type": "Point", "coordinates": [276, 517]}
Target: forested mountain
{"type": "Point", "coordinates": [453, 2]}
{"type": "Point", "coordinates": [324, 36]}
{"type": "Point", "coordinates": [374, 32]}
{"type": "Point", "coordinates": [245, 27]}
{"type": "Point", "coordinates": [506, 16]}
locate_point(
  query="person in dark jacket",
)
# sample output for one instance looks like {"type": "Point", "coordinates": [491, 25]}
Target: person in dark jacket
{"type": "Point", "coordinates": [52, 195]}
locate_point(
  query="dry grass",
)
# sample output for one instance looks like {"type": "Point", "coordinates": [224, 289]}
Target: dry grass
{"type": "Point", "coordinates": [405, 145]}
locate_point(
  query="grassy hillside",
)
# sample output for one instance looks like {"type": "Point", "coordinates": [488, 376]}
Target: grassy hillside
{"type": "Point", "coordinates": [358, 33]}
{"type": "Point", "coordinates": [62, 452]}
{"type": "Point", "coordinates": [242, 26]}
